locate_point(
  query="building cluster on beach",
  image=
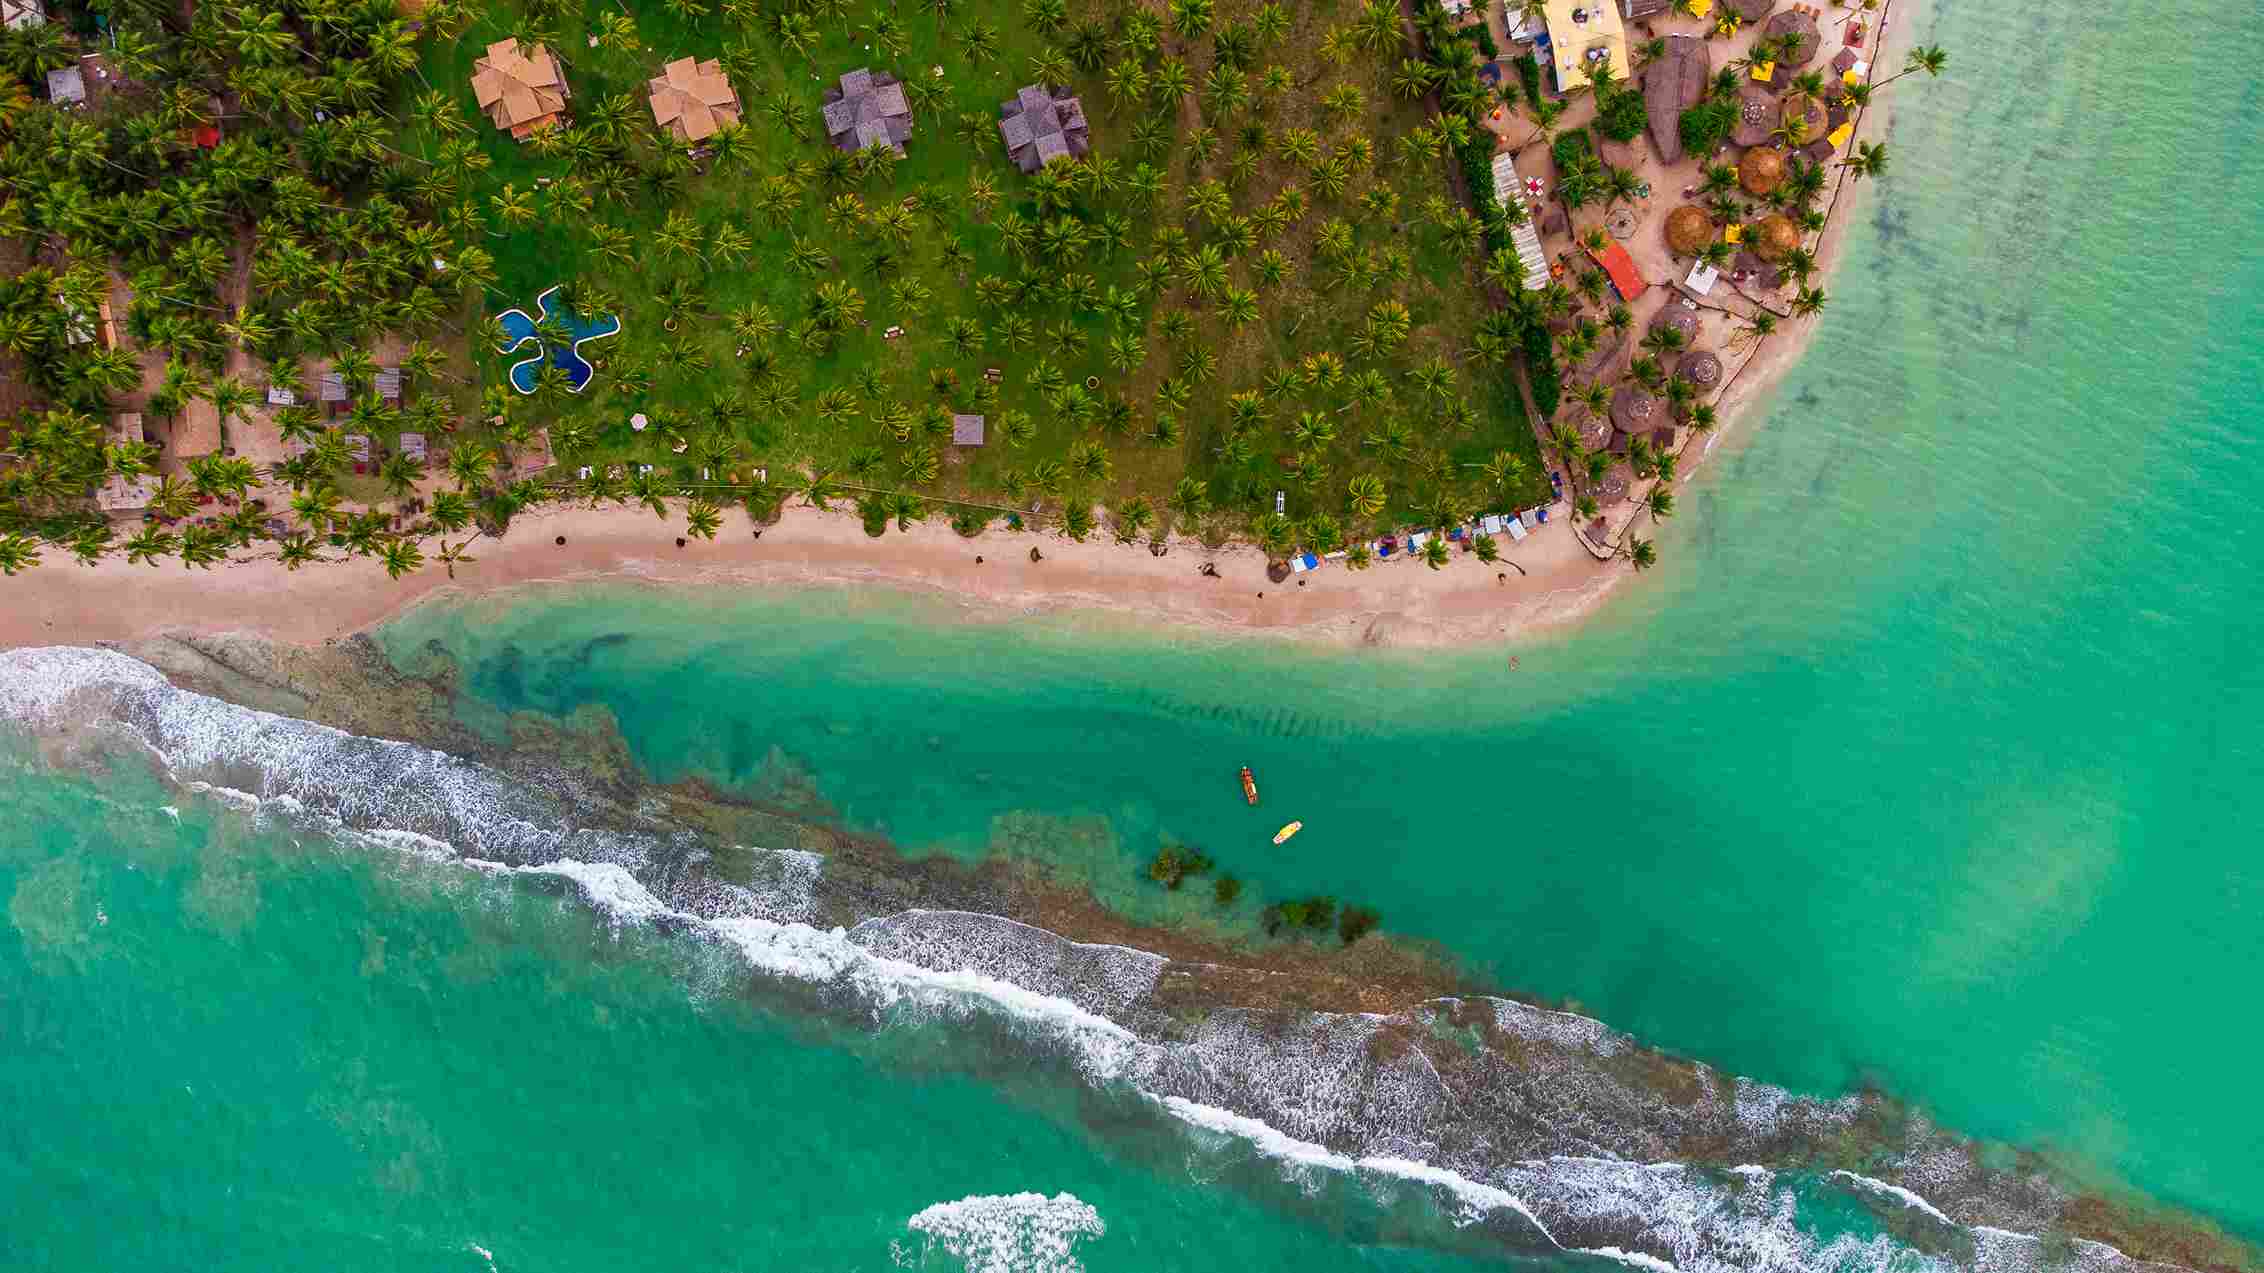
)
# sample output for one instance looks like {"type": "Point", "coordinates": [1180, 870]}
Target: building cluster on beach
{"type": "Point", "coordinates": [1628, 233]}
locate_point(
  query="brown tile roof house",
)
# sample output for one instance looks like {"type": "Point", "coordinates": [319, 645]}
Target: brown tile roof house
{"type": "Point", "coordinates": [522, 93]}
{"type": "Point", "coordinates": [867, 110]}
{"type": "Point", "coordinates": [192, 433]}
{"type": "Point", "coordinates": [692, 99]}
{"type": "Point", "coordinates": [1039, 127]}
{"type": "Point", "coordinates": [966, 430]}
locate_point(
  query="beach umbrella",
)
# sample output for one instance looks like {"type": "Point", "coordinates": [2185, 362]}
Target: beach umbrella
{"type": "Point", "coordinates": [638, 422]}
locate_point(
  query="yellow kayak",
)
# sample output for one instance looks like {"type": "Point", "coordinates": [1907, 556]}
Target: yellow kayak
{"type": "Point", "coordinates": [1288, 831]}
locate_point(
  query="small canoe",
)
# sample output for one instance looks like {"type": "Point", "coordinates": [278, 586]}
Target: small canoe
{"type": "Point", "coordinates": [1249, 785]}
{"type": "Point", "coordinates": [1288, 831]}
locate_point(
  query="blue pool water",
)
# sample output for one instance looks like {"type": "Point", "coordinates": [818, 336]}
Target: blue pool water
{"type": "Point", "coordinates": [520, 329]}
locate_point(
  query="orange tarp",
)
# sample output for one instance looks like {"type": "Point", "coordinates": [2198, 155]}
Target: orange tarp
{"type": "Point", "coordinates": [1621, 267]}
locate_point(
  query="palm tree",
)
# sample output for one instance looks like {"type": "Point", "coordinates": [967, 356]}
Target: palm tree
{"type": "Point", "coordinates": [702, 519]}
{"type": "Point", "coordinates": [1868, 159]}
{"type": "Point", "coordinates": [1641, 552]}
{"type": "Point", "coordinates": [150, 544]}
{"type": "Point", "coordinates": [1366, 497]}
{"type": "Point", "coordinates": [401, 557]}
{"type": "Point", "coordinates": [1929, 58]}
{"type": "Point", "coordinates": [450, 555]}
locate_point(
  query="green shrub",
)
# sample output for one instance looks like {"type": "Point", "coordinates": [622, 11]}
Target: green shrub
{"type": "Point", "coordinates": [1570, 147]}
{"type": "Point", "coordinates": [875, 516]}
{"type": "Point", "coordinates": [1529, 75]}
{"type": "Point", "coordinates": [1174, 863]}
{"type": "Point", "coordinates": [1623, 117]}
{"type": "Point", "coordinates": [1356, 923]}
{"type": "Point", "coordinates": [1706, 125]}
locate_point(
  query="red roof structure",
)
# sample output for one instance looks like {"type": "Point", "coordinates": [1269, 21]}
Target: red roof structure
{"type": "Point", "coordinates": [1621, 267]}
{"type": "Point", "coordinates": [204, 136]}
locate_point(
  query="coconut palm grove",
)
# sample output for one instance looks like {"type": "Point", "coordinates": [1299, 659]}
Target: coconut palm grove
{"type": "Point", "coordinates": [317, 279]}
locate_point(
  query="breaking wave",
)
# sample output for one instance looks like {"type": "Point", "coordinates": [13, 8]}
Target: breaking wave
{"type": "Point", "coordinates": [1004, 1233]}
{"type": "Point", "coordinates": [1543, 1127]}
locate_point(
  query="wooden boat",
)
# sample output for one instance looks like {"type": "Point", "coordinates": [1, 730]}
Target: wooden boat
{"type": "Point", "coordinates": [1288, 831]}
{"type": "Point", "coordinates": [1249, 785]}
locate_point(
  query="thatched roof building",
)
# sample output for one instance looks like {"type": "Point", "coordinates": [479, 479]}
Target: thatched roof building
{"type": "Point", "coordinates": [1701, 367]}
{"type": "Point", "coordinates": [1795, 30]}
{"type": "Point", "coordinates": [1760, 170]}
{"type": "Point", "coordinates": [1757, 114]}
{"type": "Point", "coordinates": [1804, 118]}
{"type": "Point", "coordinates": [868, 109]}
{"type": "Point", "coordinates": [693, 99]}
{"type": "Point", "coordinates": [1040, 124]}
{"type": "Point", "coordinates": [1636, 410]}
{"type": "Point", "coordinates": [1595, 431]}
{"type": "Point", "coordinates": [1615, 486]}
{"type": "Point", "coordinates": [1775, 237]}
{"type": "Point", "coordinates": [1681, 320]}
{"type": "Point", "coordinates": [1672, 84]}
{"type": "Point", "coordinates": [522, 90]}
{"type": "Point", "coordinates": [1689, 230]}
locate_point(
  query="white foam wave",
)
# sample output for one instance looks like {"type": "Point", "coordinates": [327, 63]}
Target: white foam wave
{"type": "Point", "coordinates": [1471, 1201]}
{"type": "Point", "coordinates": [1897, 1192]}
{"type": "Point", "coordinates": [1011, 1233]}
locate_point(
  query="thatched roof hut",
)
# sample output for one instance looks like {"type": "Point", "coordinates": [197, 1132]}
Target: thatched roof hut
{"type": "Point", "coordinates": [1810, 116]}
{"type": "Point", "coordinates": [1689, 230]}
{"type": "Point", "coordinates": [1757, 114]}
{"type": "Point", "coordinates": [1795, 31]}
{"type": "Point", "coordinates": [1680, 319]}
{"type": "Point", "coordinates": [1750, 11]}
{"type": "Point", "coordinates": [1615, 486]}
{"type": "Point", "coordinates": [1775, 237]}
{"type": "Point", "coordinates": [1760, 170]}
{"type": "Point", "coordinates": [1636, 410]}
{"type": "Point", "coordinates": [1701, 367]}
{"type": "Point", "coordinates": [1595, 431]}
{"type": "Point", "coordinates": [1672, 84]}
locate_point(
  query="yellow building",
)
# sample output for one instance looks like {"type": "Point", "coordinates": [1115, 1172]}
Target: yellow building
{"type": "Point", "coordinates": [1585, 33]}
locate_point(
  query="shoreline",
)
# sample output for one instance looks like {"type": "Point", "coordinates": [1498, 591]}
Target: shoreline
{"type": "Point", "coordinates": [1401, 603]}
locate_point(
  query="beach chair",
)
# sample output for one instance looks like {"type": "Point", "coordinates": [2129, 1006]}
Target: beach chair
{"type": "Point", "coordinates": [1516, 529]}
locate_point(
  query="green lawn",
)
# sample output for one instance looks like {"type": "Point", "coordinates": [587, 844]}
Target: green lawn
{"type": "Point", "coordinates": [693, 384]}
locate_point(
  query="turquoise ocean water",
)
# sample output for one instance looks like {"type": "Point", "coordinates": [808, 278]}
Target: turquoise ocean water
{"type": "Point", "coordinates": [1928, 761]}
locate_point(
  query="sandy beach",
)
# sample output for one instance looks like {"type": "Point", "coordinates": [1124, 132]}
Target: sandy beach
{"type": "Point", "coordinates": [1396, 603]}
